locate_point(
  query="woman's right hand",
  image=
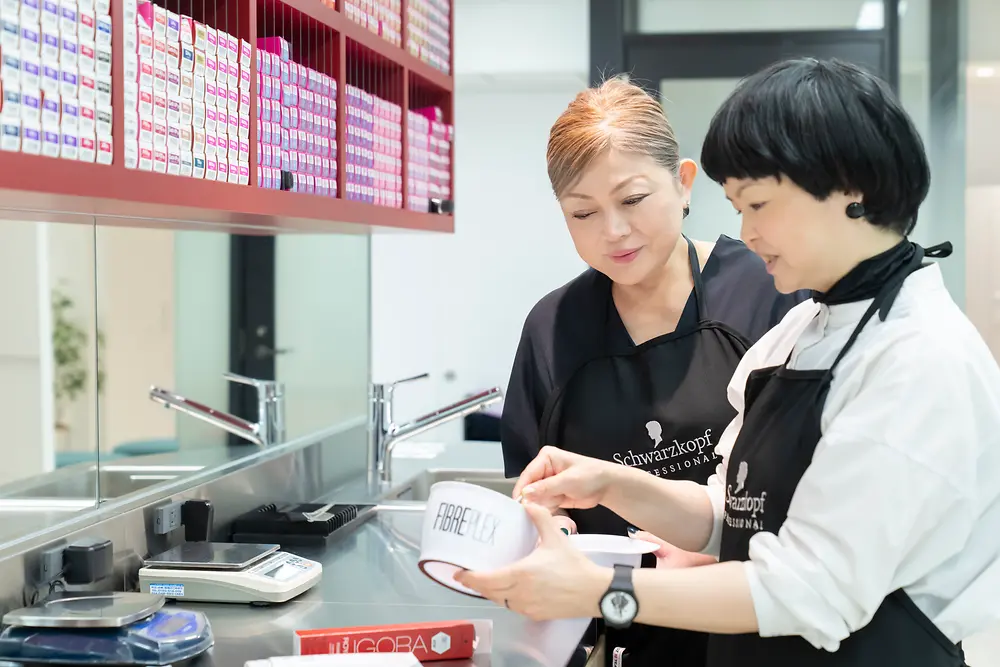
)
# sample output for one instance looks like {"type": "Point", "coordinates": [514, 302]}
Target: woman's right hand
{"type": "Point", "coordinates": [560, 479]}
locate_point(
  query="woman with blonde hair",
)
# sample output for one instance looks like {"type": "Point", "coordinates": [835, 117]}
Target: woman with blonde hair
{"type": "Point", "coordinates": [629, 362]}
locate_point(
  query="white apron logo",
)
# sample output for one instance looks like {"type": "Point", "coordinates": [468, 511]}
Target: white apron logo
{"type": "Point", "coordinates": [744, 512]}
{"type": "Point", "coordinates": [673, 457]}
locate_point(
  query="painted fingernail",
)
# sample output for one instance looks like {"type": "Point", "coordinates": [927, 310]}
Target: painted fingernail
{"type": "Point", "coordinates": [565, 530]}
{"type": "Point", "coordinates": [632, 530]}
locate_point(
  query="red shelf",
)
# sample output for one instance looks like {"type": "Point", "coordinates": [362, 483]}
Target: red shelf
{"type": "Point", "coordinates": [87, 193]}
{"type": "Point", "coordinates": [42, 188]}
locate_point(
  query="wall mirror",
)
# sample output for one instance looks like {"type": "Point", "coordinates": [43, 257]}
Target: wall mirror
{"type": "Point", "coordinates": [51, 378]}
{"type": "Point", "coordinates": [100, 314]}
{"type": "Point", "coordinates": [180, 310]}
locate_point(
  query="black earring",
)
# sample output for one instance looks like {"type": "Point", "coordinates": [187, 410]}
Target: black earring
{"type": "Point", "coordinates": [855, 210]}
{"type": "Point", "coordinates": [687, 210]}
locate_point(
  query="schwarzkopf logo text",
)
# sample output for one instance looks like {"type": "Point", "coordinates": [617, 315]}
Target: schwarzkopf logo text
{"type": "Point", "coordinates": [744, 511]}
{"type": "Point", "coordinates": [671, 457]}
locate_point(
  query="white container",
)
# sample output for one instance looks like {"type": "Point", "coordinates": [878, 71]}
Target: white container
{"type": "Point", "coordinates": [553, 642]}
{"type": "Point", "coordinates": [611, 550]}
{"type": "Point", "coordinates": [469, 527]}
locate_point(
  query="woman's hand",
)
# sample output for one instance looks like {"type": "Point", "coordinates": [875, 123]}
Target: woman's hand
{"type": "Point", "coordinates": [555, 581]}
{"type": "Point", "coordinates": [564, 523]}
{"type": "Point", "coordinates": [560, 479]}
{"type": "Point", "coordinates": [670, 557]}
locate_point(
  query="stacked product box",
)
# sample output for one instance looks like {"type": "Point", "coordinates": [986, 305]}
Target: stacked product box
{"type": "Point", "coordinates": [187, 97]}
{"type": "Point", "coordinates": [429, 160]}
{"type": "Point", "coordinates": [428, 35]}
{"type": "Point", "coordinates": [297, 122]}
{"type": "Point", "coordinates": [55, 77]}
{"type": "Point", "coordinates": [383, 17]}
{"type": "Point", "coordinates": [374, 149]}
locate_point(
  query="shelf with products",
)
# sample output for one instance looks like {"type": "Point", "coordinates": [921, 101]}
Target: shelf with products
{"type": "Point", "coordinates": [252, 114]}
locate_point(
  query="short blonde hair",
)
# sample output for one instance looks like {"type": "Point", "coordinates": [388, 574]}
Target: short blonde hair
{"type": "Point", "coordinates": [617, 114]}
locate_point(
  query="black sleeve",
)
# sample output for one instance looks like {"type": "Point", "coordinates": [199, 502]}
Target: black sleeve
{"type": "Point", "coordinates": [523, 404]}
{"type": "Point", "coordinates": [562, 331]}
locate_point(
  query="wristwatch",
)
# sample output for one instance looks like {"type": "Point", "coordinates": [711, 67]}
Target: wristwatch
{"type": "Point", "coordinates": [619, 606]}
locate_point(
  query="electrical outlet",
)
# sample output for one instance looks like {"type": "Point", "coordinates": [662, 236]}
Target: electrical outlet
{"type": "Point", "coordinates": [167, 518]}
{"type": "Point", "coordinates": [50, 564]}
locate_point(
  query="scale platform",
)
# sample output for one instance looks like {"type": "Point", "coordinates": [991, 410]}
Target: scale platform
{"type": "Point", "coordinates": [104, 629]}
{"type": "Point", "coordinates": [227, 572]}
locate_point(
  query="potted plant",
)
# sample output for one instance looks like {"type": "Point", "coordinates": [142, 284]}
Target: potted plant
{"type": "Point", "coordinates": [70, 344]}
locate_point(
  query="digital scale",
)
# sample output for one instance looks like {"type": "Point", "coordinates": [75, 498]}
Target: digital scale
{"type": "Point", "coordinates": [104, 629]}
{"type": "Point", "coordinates": [226, 572]}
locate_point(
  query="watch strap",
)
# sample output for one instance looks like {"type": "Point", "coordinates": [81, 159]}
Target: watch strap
{"type": "Point", "coordinates": [622, 579]}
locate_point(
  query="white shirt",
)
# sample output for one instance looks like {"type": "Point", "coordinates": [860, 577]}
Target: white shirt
{"type": "Point", "coordinates": [904, 487]}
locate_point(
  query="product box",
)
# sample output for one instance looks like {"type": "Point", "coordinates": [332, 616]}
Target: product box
{"type": "Point", "coordinates": [159, 160]}
{"type": "Point", "coordinates": [444, 640]}
{"type": "Point", "coordinates": [173, 162]}
{"type": "Point", "coordinates": [88, 148]}
{"type": "Point", "coordinates": [132, 156]}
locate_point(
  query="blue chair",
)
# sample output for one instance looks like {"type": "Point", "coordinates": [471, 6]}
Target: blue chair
{"type": "Point", "coordinates": [64, 459]}
{"type": "Point", "coordinates": [146, 447]}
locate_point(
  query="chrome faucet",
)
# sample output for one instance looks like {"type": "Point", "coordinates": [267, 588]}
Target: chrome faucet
{"type": "Point", "coordinates": [384, 433]}
{"type": "Point", "coordinates": [270, 426]}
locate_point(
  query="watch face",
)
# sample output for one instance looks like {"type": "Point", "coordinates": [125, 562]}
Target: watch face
{"type": "Point", "coordinates": [619, 607]}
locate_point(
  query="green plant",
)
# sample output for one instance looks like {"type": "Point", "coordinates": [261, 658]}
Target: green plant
{"type": "Point", "coordinates": [69, 350]}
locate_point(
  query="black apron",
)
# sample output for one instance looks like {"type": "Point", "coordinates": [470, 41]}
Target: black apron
{"type": "Point", "coordinates": [781, 428]}
{"type": "Point", "coordinates": [660, 406]}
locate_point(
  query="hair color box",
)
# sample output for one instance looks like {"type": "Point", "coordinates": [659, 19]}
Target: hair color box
{"type": "Point", "coordinates": [442, 640]}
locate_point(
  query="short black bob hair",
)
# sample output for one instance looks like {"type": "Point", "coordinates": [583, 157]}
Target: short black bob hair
{"type": "Point", "coordinates": [828, 126]}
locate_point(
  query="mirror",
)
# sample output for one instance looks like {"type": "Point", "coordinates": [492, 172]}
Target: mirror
{"type": "Point", "coordinates": [50, 373]}
{"type": "Point", "coordinates": [181, 309]}
{"type": "Point", "coordinates": [100, 314]}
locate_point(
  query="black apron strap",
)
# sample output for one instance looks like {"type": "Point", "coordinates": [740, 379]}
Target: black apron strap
{"type": "Point", "coordinates": [699, 284]}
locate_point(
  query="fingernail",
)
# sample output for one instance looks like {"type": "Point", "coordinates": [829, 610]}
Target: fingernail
{"type": "Point", "coordinates": [632, 530]}
{"type": "Point", "coordinates": [565, 530]}
{"type": "Point", "coordinates": [528, 490]}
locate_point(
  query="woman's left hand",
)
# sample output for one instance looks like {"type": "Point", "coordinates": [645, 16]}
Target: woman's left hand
{"type": "Point", "coordinates": [555, 581]}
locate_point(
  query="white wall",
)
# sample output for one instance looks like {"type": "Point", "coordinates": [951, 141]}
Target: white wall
{"type": "Point", "coordinates": [454, 305]}
{"type": "Point", "coordinates": [23, 388]}
{"type": "Point", "coordinates": [322, 301]}
{"type": "Point", "coordinates": [982, 212]}
{"type": "Point", "coordinates": [201, 331]}
{"type": "Point", "coordinates": [136, 279]}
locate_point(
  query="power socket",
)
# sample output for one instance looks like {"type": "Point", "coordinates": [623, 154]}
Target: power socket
{"type": "Point", "coordinates": [50, 564]}
{"type": "Point", "coordinates": [167, 518]}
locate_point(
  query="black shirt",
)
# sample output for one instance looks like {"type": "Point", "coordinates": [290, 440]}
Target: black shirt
{"type": "Point", "coordinates": [573, 325]}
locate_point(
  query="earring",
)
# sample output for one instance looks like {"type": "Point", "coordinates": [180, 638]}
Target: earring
{"type": "Point", "coordinates": [687, 210]}
{"type": "Point", "coordinates": [855, 210]}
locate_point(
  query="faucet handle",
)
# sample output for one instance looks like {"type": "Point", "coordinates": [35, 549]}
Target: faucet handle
{"type": "Point", "coordinates": [253, 382]}
{"type": "Point", "coordinates": [422, 376]}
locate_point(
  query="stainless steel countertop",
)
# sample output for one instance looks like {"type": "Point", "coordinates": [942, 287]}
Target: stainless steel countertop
{"type": "Point", "coordinates": [370, 577]}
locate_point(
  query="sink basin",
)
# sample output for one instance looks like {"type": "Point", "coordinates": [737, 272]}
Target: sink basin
{"type": "Point", "coordinates": [418, 487]}
{"type": "Point", "coordinates": [114, 480]}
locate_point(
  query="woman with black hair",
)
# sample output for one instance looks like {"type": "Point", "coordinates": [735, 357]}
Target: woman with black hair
{"type": "Point", "coordinates": [856, 511]}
